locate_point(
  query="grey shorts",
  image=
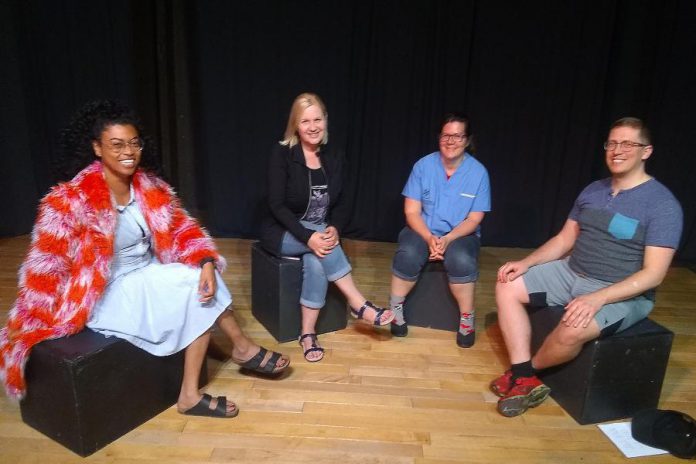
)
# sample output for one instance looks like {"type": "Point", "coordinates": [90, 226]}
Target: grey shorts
{"type": "Point", "coordinates": [555, 284]}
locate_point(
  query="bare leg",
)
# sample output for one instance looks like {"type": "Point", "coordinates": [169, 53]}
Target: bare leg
{"type": "Point", "coordinates": [510, 298]}
{"type": "Point", "coordinates": [464, 294]}
{"type": "Point", "coordinates": [347, 286]}
{"type": "Point", "coordinates": [356, 299]}
{"type": "Point", "coordinates": [401, 287]}
{"type": "Point", "coordinates": [216, 352]}
{"type": "Point", "coordinates": [189, 395]}
{"type": "Point", "coordinates": [243, 348]}
{"type": "Point", "coordinates": [564, 344]}
{"type": "Point", "coordinates": [309, 319]}
{"type": "Point", "coordinates": [309, 322]}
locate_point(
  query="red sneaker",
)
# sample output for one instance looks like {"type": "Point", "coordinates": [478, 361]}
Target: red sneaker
{"type": "Point", "coordinates": [501, 386]}
{"type": "Point", "coordinates": [525, 393]}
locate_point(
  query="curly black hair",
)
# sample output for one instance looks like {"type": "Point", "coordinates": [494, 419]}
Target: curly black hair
{"type": "Point", "coordinates": [87, 126]}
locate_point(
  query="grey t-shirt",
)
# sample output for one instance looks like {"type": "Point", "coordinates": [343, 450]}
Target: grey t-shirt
{"type": "Point", "coordinates": [318, 207]}
{"type": "Point", "coordinates": [614, 230]}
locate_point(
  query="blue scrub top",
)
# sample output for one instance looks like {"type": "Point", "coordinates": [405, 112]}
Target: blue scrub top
{"type": "Point", "coordinates": [447, 202]}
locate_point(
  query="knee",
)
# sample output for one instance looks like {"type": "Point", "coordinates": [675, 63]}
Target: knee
{"type": "Point", "coordinates": [511, 297]}
{"type": "Point", "coordinates": [461, 264]}
{"type": "Point", "coordinates": [568, 336]}
{"type": "Point", "coordinates": [504, 291]}
{"type": "Point", "coordinates": [409, 259]}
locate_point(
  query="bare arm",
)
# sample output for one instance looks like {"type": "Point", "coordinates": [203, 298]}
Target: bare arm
{"type": "Point", "coordinates": [555, 248]}
{"type": "Point", "coordinates": [412, 211]}
{"type": "Point", "coordinates": [656, 261]}
{"type": "Point", "coordinates": [466, 227]}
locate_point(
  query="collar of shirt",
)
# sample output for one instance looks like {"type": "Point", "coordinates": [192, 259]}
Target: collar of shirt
{"type": "Point", "coordinates": [131, 200]}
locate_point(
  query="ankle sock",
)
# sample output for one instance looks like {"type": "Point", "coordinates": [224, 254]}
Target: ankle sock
{"type": "Point", "coordinates": [524, 369]}
{"type": "Point", "coordinates": [466, 323]}
{"type": "Point", "coordinates": [396, 304]}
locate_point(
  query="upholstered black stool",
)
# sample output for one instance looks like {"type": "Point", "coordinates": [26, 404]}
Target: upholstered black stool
{"type": "Point", "coordinates": [276, 284]}
{"type": "Point", "coordinates": [612, 377]}
{"type": "Point", "coordinates": [430, 303]}
{"type": "Point", "coordinates": [87, 390]}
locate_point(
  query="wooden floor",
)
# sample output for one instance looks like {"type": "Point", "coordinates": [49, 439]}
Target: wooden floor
{"type": "Point", "coordinates": [373, 399]}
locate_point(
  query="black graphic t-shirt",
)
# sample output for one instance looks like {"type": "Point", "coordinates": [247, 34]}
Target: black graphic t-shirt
{"type": "Point", "coordinates": [319, 198]}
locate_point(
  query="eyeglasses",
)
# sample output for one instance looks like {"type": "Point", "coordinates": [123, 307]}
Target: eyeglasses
{"type": "Point", "coordinates": [118, 145]}
{"type": "Point", "coordinates": [452, 137]}
{"type": "Point", "coordinates": [623, 146]}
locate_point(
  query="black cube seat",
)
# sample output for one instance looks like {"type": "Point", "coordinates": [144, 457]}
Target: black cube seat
{"type": "Point", "coordinates": [612, 377]}
{"type": "Point", "coordinates": [430, 303]}
{"type": "Point", "coordinates": [276, 284]}
{"type": "Point", "coordinates": [86, 390]}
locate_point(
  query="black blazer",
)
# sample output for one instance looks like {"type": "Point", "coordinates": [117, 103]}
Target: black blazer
{"type": "Point", "coordinates": [289, 194]}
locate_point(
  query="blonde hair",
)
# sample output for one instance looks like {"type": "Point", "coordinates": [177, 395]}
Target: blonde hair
{"type": "Point", "coordinates": [301, 103]}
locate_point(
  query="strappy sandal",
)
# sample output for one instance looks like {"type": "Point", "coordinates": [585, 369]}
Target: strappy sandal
{"type": "Point", "coordinates": [313, 348]}
{"type": "Point", "coordinates": [271, 366]}
{"type": "Point", "coordinates": [359, 313]}
{"type": "Point", "coordinates": [202, 408]}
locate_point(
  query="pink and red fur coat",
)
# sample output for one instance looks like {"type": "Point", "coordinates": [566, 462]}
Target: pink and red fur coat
{"type": "Point", "coordinates": [69, 260]}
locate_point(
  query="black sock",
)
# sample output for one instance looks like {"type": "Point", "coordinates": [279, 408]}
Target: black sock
{"type": "Point", "coordinates": [524, 369]}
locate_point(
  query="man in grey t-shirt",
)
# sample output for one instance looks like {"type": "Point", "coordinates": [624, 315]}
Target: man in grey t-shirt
{"type": "Point", "coordinates": [621, 235]}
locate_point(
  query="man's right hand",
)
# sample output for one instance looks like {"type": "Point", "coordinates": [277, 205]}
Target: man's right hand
{"type": "Point", "coordinates": [511, 270]}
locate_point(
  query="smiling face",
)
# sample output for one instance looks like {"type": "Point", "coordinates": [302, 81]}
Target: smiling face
{"type": "Point", "coordinates": [626, 162]}
{"type": "Point", "coordinates": [453, 140]}
{"type": "Point", "coordinates": [119, 148]}
{"type": "Point", "coordinates": [311, 126]}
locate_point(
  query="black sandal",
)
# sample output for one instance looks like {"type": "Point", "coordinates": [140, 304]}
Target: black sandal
{"type": "Point", "coordinates": [359, 313]}
{"type": "Point", "coordinates": [202, 408]}
{"type": "Point", "coordinates": [254, 364]}
{"type": "Point", "coordinates": [313, 348]}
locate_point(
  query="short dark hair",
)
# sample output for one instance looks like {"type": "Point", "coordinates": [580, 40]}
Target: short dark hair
{"type": "Point", "coordinates": [635, 123]}
{"type": "Point", "coordinates": [457, 117]}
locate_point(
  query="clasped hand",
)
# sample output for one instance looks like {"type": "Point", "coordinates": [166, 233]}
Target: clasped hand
{"type": "Point", "coordinates": [323, 243]}
{"type": "Point", "coordinates": [437, 246]}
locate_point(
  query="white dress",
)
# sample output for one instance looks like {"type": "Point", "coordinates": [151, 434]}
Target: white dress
{"type": "Point", "coordinates": [152, 305]}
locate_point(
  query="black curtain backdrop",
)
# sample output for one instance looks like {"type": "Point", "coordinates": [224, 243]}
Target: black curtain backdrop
{"type": "Point", "coordinates": [214, 80]}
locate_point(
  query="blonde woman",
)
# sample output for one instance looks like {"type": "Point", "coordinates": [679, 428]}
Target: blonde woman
{"type": "Point", "coordinates": [305, 180]}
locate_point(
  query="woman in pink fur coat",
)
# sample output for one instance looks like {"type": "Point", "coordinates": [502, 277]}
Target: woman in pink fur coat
{"type": "Point", "coordinates": [113, 250]}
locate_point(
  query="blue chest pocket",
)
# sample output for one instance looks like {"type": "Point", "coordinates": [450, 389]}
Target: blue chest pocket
{"type": "Point", "coordinates": [623, 227]}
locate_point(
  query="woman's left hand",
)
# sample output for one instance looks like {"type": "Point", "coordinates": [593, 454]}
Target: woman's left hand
{"type": "Point", "coordinates": [444, 243]}
{"type": "Point", "coordinates": [207, 284]}
{"type": "Point", "coordinates": [331, 234]}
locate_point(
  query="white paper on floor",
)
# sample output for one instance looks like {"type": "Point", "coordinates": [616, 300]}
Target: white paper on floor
{"type": "Point", "coordinates": [620, 434]}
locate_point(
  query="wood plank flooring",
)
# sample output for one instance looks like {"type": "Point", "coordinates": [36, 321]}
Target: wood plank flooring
{"type": "Point", "coordinates": [373, 399]}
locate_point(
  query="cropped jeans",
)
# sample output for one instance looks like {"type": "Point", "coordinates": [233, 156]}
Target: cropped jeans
{"type": "Point", "coordinates": [317, 272]}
